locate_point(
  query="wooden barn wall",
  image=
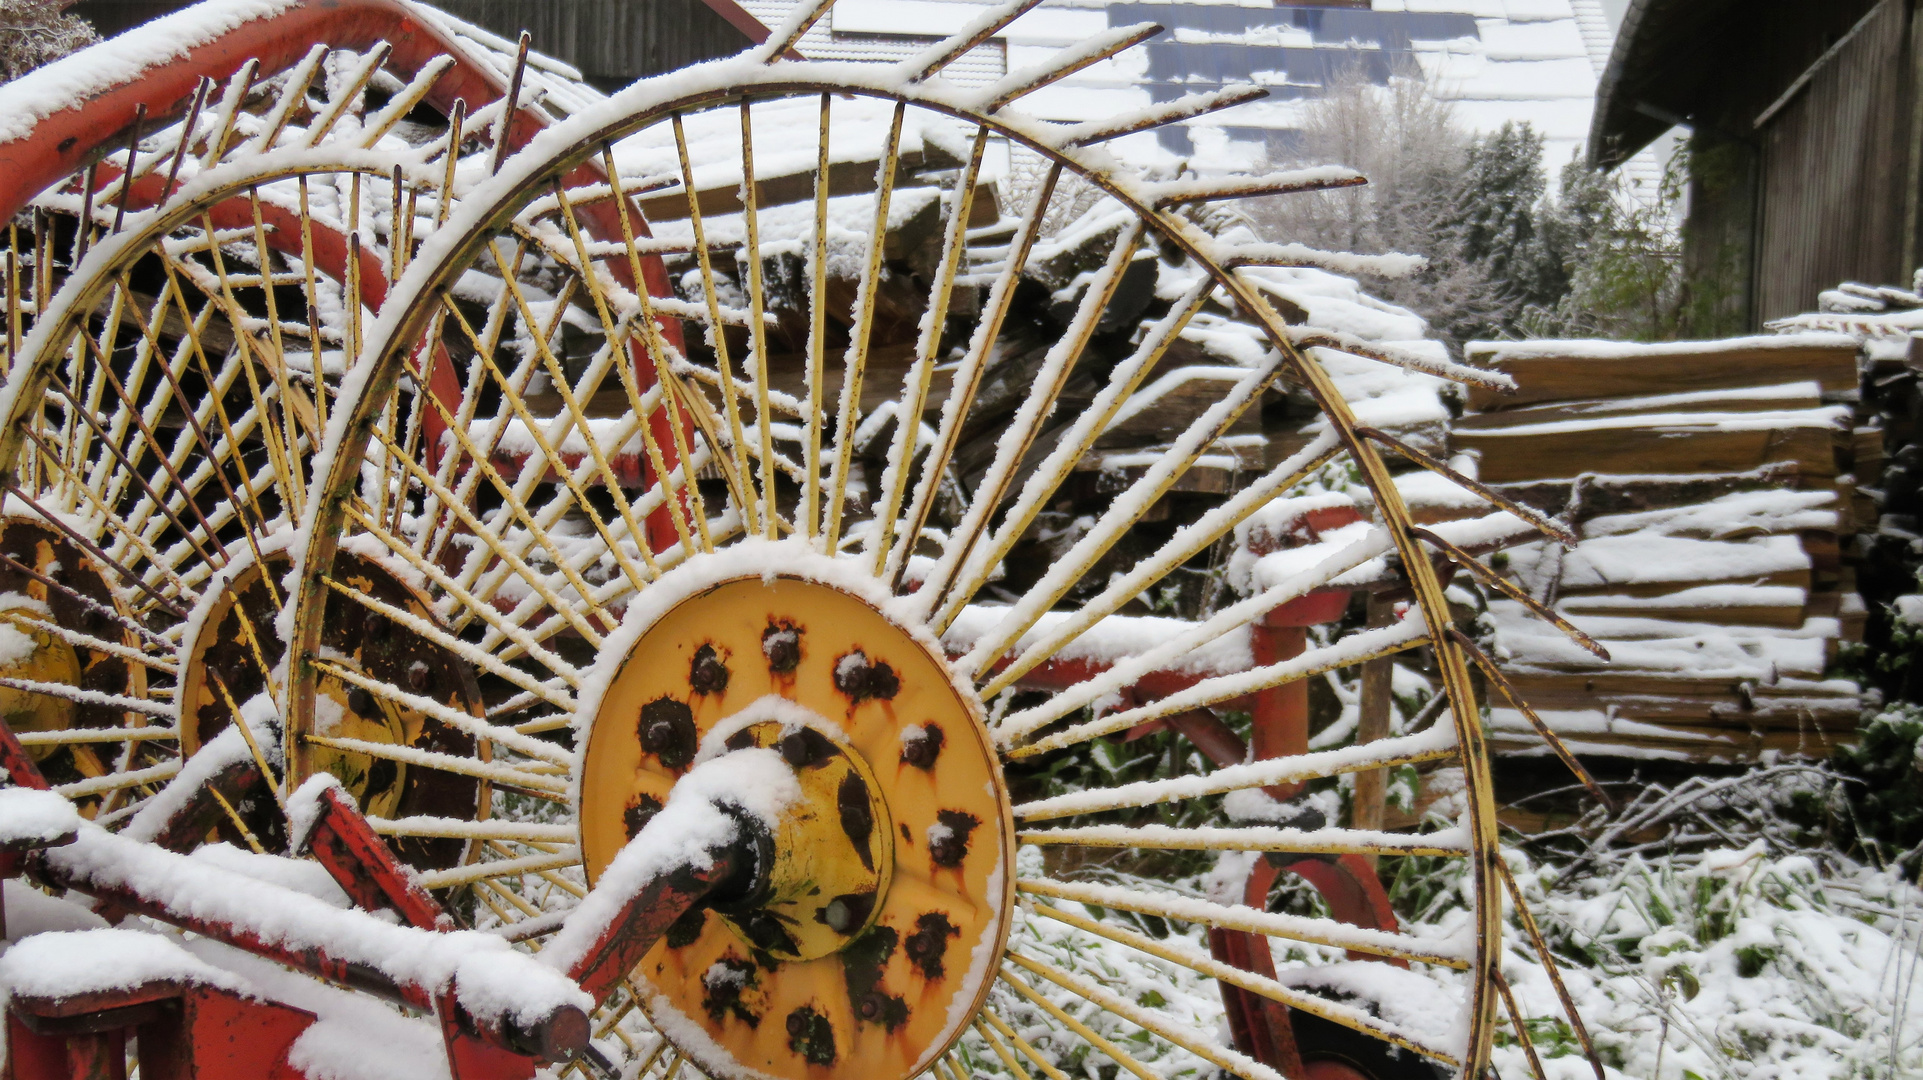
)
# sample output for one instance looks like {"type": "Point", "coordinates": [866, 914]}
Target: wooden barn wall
{"type": "Point", "coordinates": [1835, 173]}
{"type": "Point", "coordinates": [613, 42]}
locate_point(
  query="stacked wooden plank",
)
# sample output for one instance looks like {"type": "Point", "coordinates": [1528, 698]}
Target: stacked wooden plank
{"type": "Point", "coordinates": [1712, 485]}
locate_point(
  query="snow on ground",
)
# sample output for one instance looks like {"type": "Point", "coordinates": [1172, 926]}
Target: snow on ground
{"type": "Point", "coordinates": [1736, 965]}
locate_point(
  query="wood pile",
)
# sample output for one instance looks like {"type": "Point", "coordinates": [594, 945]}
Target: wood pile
{"type": "Point", "coordinates": [1215, 352]}
{"type": "Point", "coordinates": [1715, 487]}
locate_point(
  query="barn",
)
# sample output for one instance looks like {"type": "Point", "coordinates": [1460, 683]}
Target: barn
{"type": "Point", "coordinates": [1806, 138]}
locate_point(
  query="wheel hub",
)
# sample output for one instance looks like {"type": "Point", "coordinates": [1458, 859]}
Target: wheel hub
{"type": "Point", "coordinates": [885, 904]}
{"type": "Point", "coordinates": [833, 854]}
{"type": "Point", "coordinates": [363, 644]}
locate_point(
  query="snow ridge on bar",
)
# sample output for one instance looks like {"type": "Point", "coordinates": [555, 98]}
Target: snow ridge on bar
{"type": "Point", "coordinates": [1154, 116]}
{"type": "Point", "coordinates": [1166, 193]}
{"type": "Point", "coordinates": [1390, 265]}
{"type": "Point", "coordinates": [1063, 64]}
{"type": "Point", "coordinates": [1354, 649]}
{"type": "Point", "coordinates": [1126, 672]}
{"type": "Point", "coordinates": [683, 833]}
{"type": "Point", "coordinates": [493, 980]}
{"type": "Point", "coordinates": [1451, 841]}
{"type": "Point", "coordinates": [1436, 742]}
{"type": "Point", "coordinates": [1254, 920]}
{"type": "Point", "coordinates": [1314, 337]}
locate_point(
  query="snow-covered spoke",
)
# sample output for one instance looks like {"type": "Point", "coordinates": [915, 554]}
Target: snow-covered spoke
{"type": "Point", "coordinates": [1437, 743]}
{"type": "Point", "coordinates": [1356, 649]}
{"type": "Point", "coordinates": [1194, 959]}
{"type": "Point", "coordinates": [1135, 501]}
{"type": "Point", "coordinates": [1254, 838]}
{"type": "Point", "coordinates": [1315, 931]}
{"type": "Point", "coordinates": [171, 395]}
{"type": "Point", "coordinates": [1345, 560]}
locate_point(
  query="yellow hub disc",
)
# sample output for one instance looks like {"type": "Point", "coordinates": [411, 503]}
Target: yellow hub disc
{"type": "Point", "coordinates": [224, 659]}
{"type": "Point", "coordinates": [874, 944]}
{"type": "Point", "coordinates": [31, 651]}
{"type": "Point", "coordinates": [387, 653]}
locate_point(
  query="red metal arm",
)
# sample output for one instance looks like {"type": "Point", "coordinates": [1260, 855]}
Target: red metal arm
{"type": "Point", "coordinates": [364, 866]}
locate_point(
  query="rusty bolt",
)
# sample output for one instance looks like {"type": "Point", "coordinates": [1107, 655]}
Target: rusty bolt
{"type": "Point", "coordinates": [707, 674]}
{"type": "Point", "coordinates": [781, 644]}
{"type": "Point", "coordinates": [420, 677]}
{"type": "Point", "coordinates": [767, 933]}
{"type": "Point", "coordinates": [667, 732]}
{"type": "Point", "coordinates": [360, 702]}
{"type": "Point", "coordinates": [947, 851]}
{"type": "Point", "coordinates": [922, 749]}
{"type": "Point", "coordinates": [872, 1005]}
{"type": "Point", "coordinates": [861, 678]}
{"type": "Point", "coordinates": [846, 913]}
{"type": "Point", "coordinates": [811, 1035]}
{"type": "Point", "coordinates": [374, 626]}
{"type": "Point", "coordinates": [636, 815]}
{"type": "Point", "coordinates": [927, 947]}
{"type": "Point", "coordinates": [857, 818]}
{"type": "Point", "coordinates": [851, 674]}
{"type": "Point", "coordinates": [948, 837]}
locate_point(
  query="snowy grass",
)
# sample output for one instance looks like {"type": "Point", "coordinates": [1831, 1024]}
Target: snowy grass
{"type": "Point", "coordinates": [1731, 964]}
{"type": "Point", "coordinates": [1728, 965]}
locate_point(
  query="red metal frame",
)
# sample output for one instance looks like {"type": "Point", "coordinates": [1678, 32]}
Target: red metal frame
{"type": "Point", "coordinates": [365, 867]}
{"type": "Point", "coordinates": [196, 1032]}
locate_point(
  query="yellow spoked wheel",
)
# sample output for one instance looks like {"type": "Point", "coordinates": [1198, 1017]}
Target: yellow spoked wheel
{"type": "Point", "coordinates": [160, 421]}
{"type": "Point", "coordinates": [684, 459]}
{"type": "Point", "coordinates": [177, 320]}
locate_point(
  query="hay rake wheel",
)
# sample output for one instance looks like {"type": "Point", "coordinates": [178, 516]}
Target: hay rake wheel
{"type": "Point", "coordinates": [277, 134]}
{"type": "Point", "coordinates": [652, 549]}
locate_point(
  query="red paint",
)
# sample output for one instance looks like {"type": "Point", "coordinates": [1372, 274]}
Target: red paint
{"type": "Point", "coordinates": [366, 868]}
{"type": "Point", "coordinates": [20, 766]}
{"type": "Point", "coordinates": [185, 1033]}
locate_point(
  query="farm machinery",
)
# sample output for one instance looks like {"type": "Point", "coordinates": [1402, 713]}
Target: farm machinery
{"type": "Point", "coordinates": [500, 579]}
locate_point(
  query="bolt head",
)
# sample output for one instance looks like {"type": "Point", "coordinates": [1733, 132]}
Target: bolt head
{"type": "Point", "coordinates": [781, 645]}
{"type": "Point", "coordinates": [360, 702]}
{"type": "Point", "coordinates": [922, 750]}
{"type": "Point", "coordinates": [796, 751]}
{"type": "Point", "coordinates": [420, 677]}
{"type": "Point", "coordinates": [706, 673]}
{"type": "Point", "coordinates": [857, 820]}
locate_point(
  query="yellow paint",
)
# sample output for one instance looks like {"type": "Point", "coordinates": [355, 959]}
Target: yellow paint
{"type": "Point", "coordinates": [964, 779]}
{"type": "Point", "coordinates": [51, 661]}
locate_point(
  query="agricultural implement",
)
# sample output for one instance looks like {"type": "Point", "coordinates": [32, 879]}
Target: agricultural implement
{"type": "Point", "coordinates": [545, 563]}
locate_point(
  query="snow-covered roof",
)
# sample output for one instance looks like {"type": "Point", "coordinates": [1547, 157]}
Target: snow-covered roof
{"type": "Point", "coordinates": [1533, 61]}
